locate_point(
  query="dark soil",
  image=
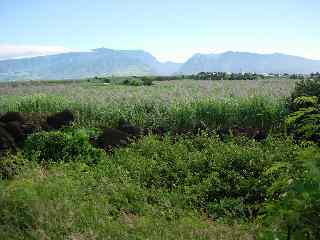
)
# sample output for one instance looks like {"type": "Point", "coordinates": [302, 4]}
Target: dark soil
{"type": "Point", "coordinates": [12, 117]}
{"type": "Point", "coordinates": [111, 138]}
{"type": "Point", "coordinates": [60, 120]}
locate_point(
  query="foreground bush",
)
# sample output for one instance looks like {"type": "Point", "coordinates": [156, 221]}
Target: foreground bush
{"type": "Point", "coordinates": [11, 165]}
{"type": "Point", "coordinates": [164, 188]}
{"type": "Point", "coordinates": [304, 123]}
{"type": "Point", "coordinates": [73, 201]}
{"type": "Point", "coordinates": [295, 214]}
{"type": "Point", "coordinates": [60, 146]}
{"type": "Point", "coordinates": [310, 87]}
{"type": "Point", "coordinates": [225, 179]}
{"type": "Point", "coordinates": [304, 119]}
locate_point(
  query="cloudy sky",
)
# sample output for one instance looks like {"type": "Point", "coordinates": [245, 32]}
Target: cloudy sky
{"type": "Point", "coordinates": [169, 29]}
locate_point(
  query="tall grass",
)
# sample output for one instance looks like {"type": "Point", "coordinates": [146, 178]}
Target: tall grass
{"type": "Point", "coordinates": [258, 112]}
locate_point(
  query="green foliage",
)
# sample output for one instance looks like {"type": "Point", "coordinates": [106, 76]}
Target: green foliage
{"type": "Point", "coordinates": [309, 87]}
{"type": "Point", "coordinates": [147, 81]}
{"type": "Point", "coordinates": [214, 180]}
{"type": "Point", "coordinates": [132, 82]}
{"type": "Point", "coordinates": [172, 183]}
{"type": "Point", "coordinates": [304, 122]}
{"type": "Point", "coordinates": [10, 166]}
{"type": "Point", "coordinates": [254, 112]}
{"type": "Point", "coordinates": [72, 201]}
{"type": "Point", "coordinates": [226, 76]}
{"type": "Point", "coordinates": [61, 146]}
{"type": "Point", "coordinates": [164, 188]}
{"type": "Point", "coordinates": [100, 79]}
{"type": "Point", "coordinates": [227, 208]}
{"type": "Point", "coordinates": [305, 102]}
{"type": "Point", "coordinates": [295, 213]}
{"type": "Point", "coordinates": [143, 81]}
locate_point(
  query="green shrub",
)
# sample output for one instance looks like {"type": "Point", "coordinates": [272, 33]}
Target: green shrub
{"type": "Point", "coordinates": [61, 146]}
{"type": "Point", "coordinates": [106, 80]}
{"type": "Point", "coordinates": [210, 174]}
{"type": "Point", "coordinates": [304, 124]}
{"type": "Point", "coordinates": [147, 81]}
{"type": "Point", "coordinates": [11, 165]}
{"type": "Point", "coordinates": [294, 215]}
{"type": "Point", "coordinates": [310, 87]}
{"type": "Point", "coordinates": [101, 203]}
{"type": "Point", "coordinates": [231, 208]}
{"type": "Point", "coordinates": [305, 102]}
{"type": "Point", "coordinates": [132, 82]}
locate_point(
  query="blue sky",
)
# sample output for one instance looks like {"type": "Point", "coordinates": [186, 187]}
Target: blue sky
{"type": "Point", "coordinates": [170, 30]}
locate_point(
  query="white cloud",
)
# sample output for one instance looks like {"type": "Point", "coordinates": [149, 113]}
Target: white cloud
{"type": "Point", "coordinates": [8, 51]}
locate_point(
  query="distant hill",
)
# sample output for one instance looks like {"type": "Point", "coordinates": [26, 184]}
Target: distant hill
{"type": "Point", "coordinates": [75, 65]}
{"type": "Point", "coordinates": [249, 62]}
{"type": "Point", "coordinates": [103, 61]}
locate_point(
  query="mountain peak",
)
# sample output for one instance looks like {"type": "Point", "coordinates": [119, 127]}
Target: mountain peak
{"type": "Point", "coordinates": [231, 61]}
{"type": "Point", "coordinates": [105, 61]}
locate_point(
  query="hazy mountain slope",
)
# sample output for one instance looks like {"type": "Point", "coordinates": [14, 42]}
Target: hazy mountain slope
{"type": "Point", "coordinates": [249, 62]}
{"type": "Point", "coordinates": [105, 61]}
{"type": "Point", "coordinates": [83, 64]}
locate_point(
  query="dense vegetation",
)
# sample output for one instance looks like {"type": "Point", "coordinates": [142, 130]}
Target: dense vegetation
{"type": "Point", "coordinates": [206, 76]}
{"type": "Point", "coordinates": [189, 183]}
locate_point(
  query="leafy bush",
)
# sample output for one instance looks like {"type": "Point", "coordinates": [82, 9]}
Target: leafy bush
{"type": "Point", "coordinates": [226, 179]}
{"type": "Point", "coordinates": [231, 208]}
{"type": "Point", "coordinates": [165, 181]}
{"type": "Point", "coordinates": [304, 123]}
{"type": "Point", "coordinates": [100, 79]}
{"type": "Point", "coordinates": [305, 102]}
{"type": "Point", "coordinates": [309, 87]}
{"type": "Point", "coordinates": [295, 214]}
{"type": "Point", "coordinates": [61, 146]}
{"type": "Point", "coordinates": [147, 81]}
{"type": "Point", "coordinates": [106, 80]}
{"type": "Point", "coordinates": [100, 203]}
{"type": "Point", "coordinates": [143, 81]}
{"type": "Point", "coordinates": [132, 82]}
{"type": "Point", "coordinates": [11, 165]}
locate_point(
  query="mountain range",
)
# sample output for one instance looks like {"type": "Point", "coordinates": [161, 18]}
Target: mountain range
{"type": "Point", "coordinates": [103, 61]}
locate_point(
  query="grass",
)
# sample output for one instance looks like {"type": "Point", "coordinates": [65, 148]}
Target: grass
{"type": "Point", "coordinates": [164, 92]}
{"type": "Point", "coordinates": [155, 189]}
{"type": "Point", "coordinates": [190, 187]}
{"type": "Point", "coordinates": [256, 112]}
{"type": "Point", "coordinates": [68, 202]}
{"type": "Point", "coordinates": [171, 105]}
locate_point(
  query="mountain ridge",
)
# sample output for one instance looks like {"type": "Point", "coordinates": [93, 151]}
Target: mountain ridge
{"type": "Point", "coordinates": [231, 61]}
{"type": "Point", "coordinates": [105, 61]}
